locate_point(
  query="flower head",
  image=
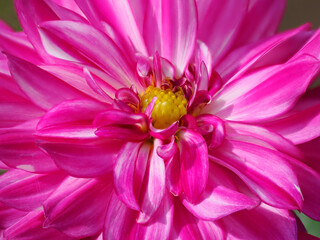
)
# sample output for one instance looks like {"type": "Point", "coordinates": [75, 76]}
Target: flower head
{"type": "Point", "coordinates": [157, 120]}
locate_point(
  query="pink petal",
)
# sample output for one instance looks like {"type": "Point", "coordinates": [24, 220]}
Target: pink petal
{"type": "Point", "coordinates": [70, 209]}
{"type": "Point", "coordinates": [299, 126]}
{"type": "Point", "coordinates": [178, 27]}
{"type": "Point", "coordinates": [20, 141]}
{"type": "Point", "coordinates": [69, 4]}
{"type": "Point", "coordinates": [244, 132]}
{"type": "Point", "coordinates": [255, 165]}
{"type": "Point", "coordinates": [274, 50]}
{"type": "Point", "coordinates": [46, 94]}
{"type": "Point", "coordinates": [83, 158]}
{"type": "Point", "coordinates": [309, 182]}
{"type": "Point", "coordinates": [262, 20]}
{"type": "Point", "coordinates": [223, 28]}
{"type": "Point", "coordinates": [104, 52]}
{"type": "Point", "coordinates": [124, 16]}
{"type": "Point", "coordinates": [312, 46]}
{"type": "Point", "coordinates": [125, 181]}
{"type": "Point", "coordinates": [194, 164]}
{"type": "Point", "coordinates": [71, 112]}
{"type": "Point", "coordinates": [154, 185]}
{"type": "Point", "coordinates": [252, 224]}
{"type": "Point", "coordinates": [27, 191]}
{"type": "Point", "coordinates": [260, 96]}
{"type": "Point", "coordinates": [31, 13]}
{"type": "Point", "coordinates": [18, 44]}
{"type": "Point", "coordinates": [9, 216]}
{"type": "Point", "coordinates": [220, 197]}
{"type": "Point", "coordinates": [161, 224]}
{"type": "Point", "coordinates": [119, 220]}
{"type": "Point", "coordinates": [173, 179]}
{"type": "Point", "coordinates": [30, 228]}
{"type": "Point", "coordinates": [311, 153]}
{"type": "Point", "coordinates": [186, 226]}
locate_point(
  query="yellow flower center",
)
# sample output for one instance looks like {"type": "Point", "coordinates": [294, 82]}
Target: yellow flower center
{"type": "Point", "coordinates": [169, 107]}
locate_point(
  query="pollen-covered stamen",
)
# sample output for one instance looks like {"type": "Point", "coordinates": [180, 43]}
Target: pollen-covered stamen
{"type": "Point", "coordinates": [169, 107]}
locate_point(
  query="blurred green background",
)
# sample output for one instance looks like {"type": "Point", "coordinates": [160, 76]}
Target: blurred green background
{"type": "Point", "coordinates": [297, 13]}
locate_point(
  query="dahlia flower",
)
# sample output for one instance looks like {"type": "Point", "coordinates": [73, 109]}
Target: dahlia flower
{"type": "Point", "coordinates": [167, 119]}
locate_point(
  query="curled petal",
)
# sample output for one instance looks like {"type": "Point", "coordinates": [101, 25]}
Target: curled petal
{"type": "Point", "coordinates": [168, 150]}
{"type": "Point", "coordinates": [218, 131]}
{"type": "Point", "coordinates": [163, 133]}
{"type": "Point", "coordinates": [194, 164]}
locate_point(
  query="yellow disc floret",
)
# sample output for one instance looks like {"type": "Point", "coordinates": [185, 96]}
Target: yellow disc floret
{"type": "Point", "coordinates": [169, 107]}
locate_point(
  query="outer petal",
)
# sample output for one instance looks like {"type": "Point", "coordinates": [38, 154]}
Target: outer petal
{"type": "Point", "coordinates": [220, 197]}
{"type": "Point", "coordinates": [309, 182]}
{"type": "Point", "coordinates": [77, 208]}
{"type": "Point", "coordinates": [30, 228]}
{"type": "Point", "coordinates": [252, 224]}
{"type": "Point", "coordinates": [104, 53]}
{"type": "Point", "coordinates": [20, 141]}
{"type": "Point", "coordinates": [154, 185]}
{"type": "Point", "coordinates": [216, 16]}
{"type": "Point", "coordinates": [311, 153]}
{"type": "Point", "coordinates": [274, 50]}
{"type": "Point", "coordinates": [260, 95]}
{"type": "Point", "coordinates": [255, 165]}
{"type": "Point", "coordinates": [41, 87]}
{"type": "Point", "coordinates": [9, 216]}
{"type": "Point", "coordinates": [194, 164]}
{"type": "Point", "coordinates": [262, 20]}
{"type": "Point", "coordinates": [126, 17]}
{"type": "Point", "coordinates": [27, 191]}
{"type": "Point", "coordinates": [302, 123]}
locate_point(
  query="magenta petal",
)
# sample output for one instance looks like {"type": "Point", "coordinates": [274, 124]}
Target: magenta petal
{"type": "Point", "coordinates": [70, 112]}
{"type": "Point", "coordinates": [163, 133]}
{"type": "Point", "coordinates": [43, 94]}
{"type": "Point", "coordinates": [160, 225]}
{"type": "Point", "coordinates": [260, 96]}
{"type": "Point", "coordinates": [194, 164]}
{"type": "Point", "coordinates": [126, 183]}
{"type": "Point", "coordinates": [262, 20]}
{"type": "Point", "coordinates": [20, 141]}
{"type": "Point", "coordinates": [186, 226]}
{"type": "Point", "coordinates": [255, 165]}
{"type": "Point", "coordinates": [299, 126]}
{"type": "Point", "coordinates": [27, 191]}
{"type": "Point", "coordinates": [251, 133]}
{"type": "Point", "coordinates": [223, 28]}
{"type": "Point", "coordinates": [178, 27]}
{"type": "Point", "coordinates": [252, 224]}
{"type": "Point", "coordinates": [9, 216]}
{"type": "Point", "coordinates": [221, 198]}
{"type": "Point", "coordinates": [69, 209]}
{"type": "Point", "coordinates": [104, 52]}
{"type": "Point", "coordinates": [119, 220]}
{"type": "Point", "coordinates": [309, 182]}
{"type": "Point", "coordinates": [87, 158]}
{"type": "Point", "coordinates": [154, 186]}
{"type": "Point", "coordinates": [173, 180]}
{"type": "Point", "coordinates": [30, 228]}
